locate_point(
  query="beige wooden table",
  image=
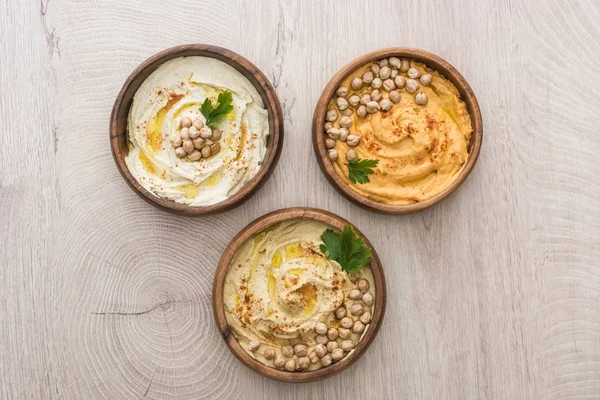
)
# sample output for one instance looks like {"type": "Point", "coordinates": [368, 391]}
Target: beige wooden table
{"type": "Point", "coordinates": [494, 294]}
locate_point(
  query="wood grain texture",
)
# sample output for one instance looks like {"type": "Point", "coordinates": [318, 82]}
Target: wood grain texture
{"type": "Point", "coordinates": [492, 294]}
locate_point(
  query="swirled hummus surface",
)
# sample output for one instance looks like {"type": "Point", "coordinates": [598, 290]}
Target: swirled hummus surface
{"type": "Point", "coordinates": [421, 148]}
{"type": "Point", "coordinates": [176, 90]}
{"type": "Point", "coordinates": [279, 286]}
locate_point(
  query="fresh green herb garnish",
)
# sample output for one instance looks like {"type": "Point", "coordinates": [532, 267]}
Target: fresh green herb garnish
{"type": "Point", "coordinates": [214, 114]}
{"type": "Point", "coordinates": [345, 248]}
{"type": "Point", "coordinates": [358, 170]}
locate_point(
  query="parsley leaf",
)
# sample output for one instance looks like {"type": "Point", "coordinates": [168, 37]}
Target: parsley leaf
{"type": "Point", "coordinates": [215, 114]}
{"type": "Point", "coordinates": [358, 170]}
{"type": "Point", "coordinates": [345, 248]}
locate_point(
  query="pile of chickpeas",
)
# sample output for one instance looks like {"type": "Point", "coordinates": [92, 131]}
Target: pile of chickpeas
{"type": "Point", "coordinates": [195, 141]}
{"type": "Point", "coordinates": [333, 343]}
{"type": "Point", "coordinates": [387, 74]}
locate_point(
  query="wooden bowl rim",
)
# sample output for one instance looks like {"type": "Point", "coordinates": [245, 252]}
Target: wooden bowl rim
{"type": "Point", "coordinates": [248, 70]}
{"type": "Point", "coordinates": [432, 61]}
{"type": "Point", "coordinates": [221, 273]}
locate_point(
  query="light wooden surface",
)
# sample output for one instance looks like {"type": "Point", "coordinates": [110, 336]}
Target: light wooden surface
{"type": "Point", "coordinates": [493, 294]}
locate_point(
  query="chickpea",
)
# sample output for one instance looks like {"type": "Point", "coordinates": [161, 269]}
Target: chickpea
{"type": "Point", "coordinates": [198, 124]}
{"type": "Point", "coordinates": [347, 345]}
{"type": "Point", "coordinates": [269, 354]}
{"type": "Point", "coordinates": [356, 83]}
{"type": "Point", "coordinates": [358, 327]}
{"type": "Point", "coordinates": [303, 362]}
{"type": "Point", "coordinates": [195, 155]}
{"type": "Point", "coordinates": [400, 81]}
{"type": "Point", "coordinates": [353, 277]}
{"type": "Point", "coordinates": [326, 360]}
{"type": "Point", "coordinates": [216, 135]}
{"type": "Point", "coordinates": [343, 134]}
{"type": "Point", "coordinates": [320, 328]}
{"type": "Point", "coordinates": [355, 294]}
{"type": "Point", "coordinates": [385, 72]}
{"type": "Point", "coordinates": [363, 285]}
{"type": "Point", "coordinates": [342, 91]}
{"type": "Point", "coordinates": [198, 143]}
{"type": "Point", "coordinates": [354, 100]}
{"type": "Point", "coordinates": [321, 339]}
{"type": "Point", "coordinates": [411, 85]}
{"type": "Point", "coordinates": [329, 143]}
{"type": "Point", "coordinates": [361, 111]}
{"type": "Point", "coordinates": [300, 350]}
{"type": "Point", "coordinates": [340, 313]}
{"type": "Point", "coordinates": [414, 73]}
{"type": "Point", "coordinates": [185, 122]}
{"type": "Point", "coordinates": [375, 95]}
{"type": "Point", "coordinates": [426, 79]}
{"type": "Point", "coordinates": [180, 152]}
{"type": "Point", "coordinates": [341, 103]}
{"type": "Point", "coordinates": [332, 115]}
{"type": "Point", "coordinates": [206, 152]}
{"type": "Point", "coordinates": [334, 133]}
{"type": "Point", "coordinates": [395, 96]}
{"type": "Point", "coordinates": [347, 112]}
{"type": "Point", "coordinates": [279, 362]}
{"type": "Point", "coordinates": [327, 126]}
{"type": "Point", "coordinates": [365, 318]}
{"type": "Point", "coordinates": [353, 140]}
{"type": "Point", "coordinates": [394, 73]}
{"type": "Point", "coordinates": [287, 351]}
{"type": "Point", "coordinates": [185, 134]}
{"type": "Point", "coordinates": [351, 155]}
{"type": "Point", "coordinates": [215, 148]}
{"type": "Point", "coordinates": [345, 122]}
{"type": "Point", "coordinates": [346, 322]}
{"type": "Point", "coordinates": [385, 105]}
{"type": "Point", "coordinates": [332, 334]}
{"type": "Point", "coordinates": [404, 65]}
{"type": "Point", "coordinates": [367, 299]}
{"type": "Point", "coordinates": [254, 345]}
{"type": "Point", "coordinates": [372, 107]}
{"type": "Point", "coordinates": [193, 132]}
{"type": "Point", "coordinates": [368, 77]}
{"type": "Point", "coordinates": [356, 309]}
{"type": "Point", "coordinates": [375, 68]}
{"type": "Point", "coordinates": [365, 98]}
{"type": "Point", "coordinates": [394, 62]}
{"type": "Point", "coordinates": [290, 365]}
{"type": "Point", "coordinates": [383, 62]}
{"type": "Point", "coordinates": [176, 141]}
{"type": "Point", "coordinates": [321, 350]}
{"type": "Point", "coordinates": [312, 356]}
{"type": "Point", "coordinates": [344, 333]}
{"type": "Point", "coordinates": [206, 132]}
{"type": "Point", "coordinates": [331, 346]}
{"type": "Point", "coordinates": [337, 354]}
{"type": "Point", "coordinates": [377, 83]}
{"type": "Point", "coordinates": [389, 85]}
{"type": "Point", "coordinates": [188, 146]}
{"type": "Point", "coordinates": [421, 98]}
{"type": "Point", "coordinates": [332, 154]}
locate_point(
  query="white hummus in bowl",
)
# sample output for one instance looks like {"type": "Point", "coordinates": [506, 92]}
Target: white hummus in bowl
{"type": "Point", "coordinates": [175, 90]}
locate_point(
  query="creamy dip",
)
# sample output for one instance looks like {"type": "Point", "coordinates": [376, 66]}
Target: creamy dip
{"type": "Point", "coordinates": [176, 90]}
{"type": "Point", "coordinates": [280, 286]}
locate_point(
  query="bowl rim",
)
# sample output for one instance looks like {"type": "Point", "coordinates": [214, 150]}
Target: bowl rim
{"type": "Point", "coordinates": [221, 273]}
{"type": "Point", "coordinates": [118, 127]}
{"type": "Point", "coordinates": [432, 61]}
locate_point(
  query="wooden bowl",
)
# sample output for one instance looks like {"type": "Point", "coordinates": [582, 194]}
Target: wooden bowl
{"type": "Point", "coordinates": [219, 310]}
{"type": "Point", "coordinates": [119, 135]}
{"type": "Point", "coordinates": [432, 61]}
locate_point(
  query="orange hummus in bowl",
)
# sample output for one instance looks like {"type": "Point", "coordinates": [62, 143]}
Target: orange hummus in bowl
{"type": "Point", "coordinates": [396, 134]}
